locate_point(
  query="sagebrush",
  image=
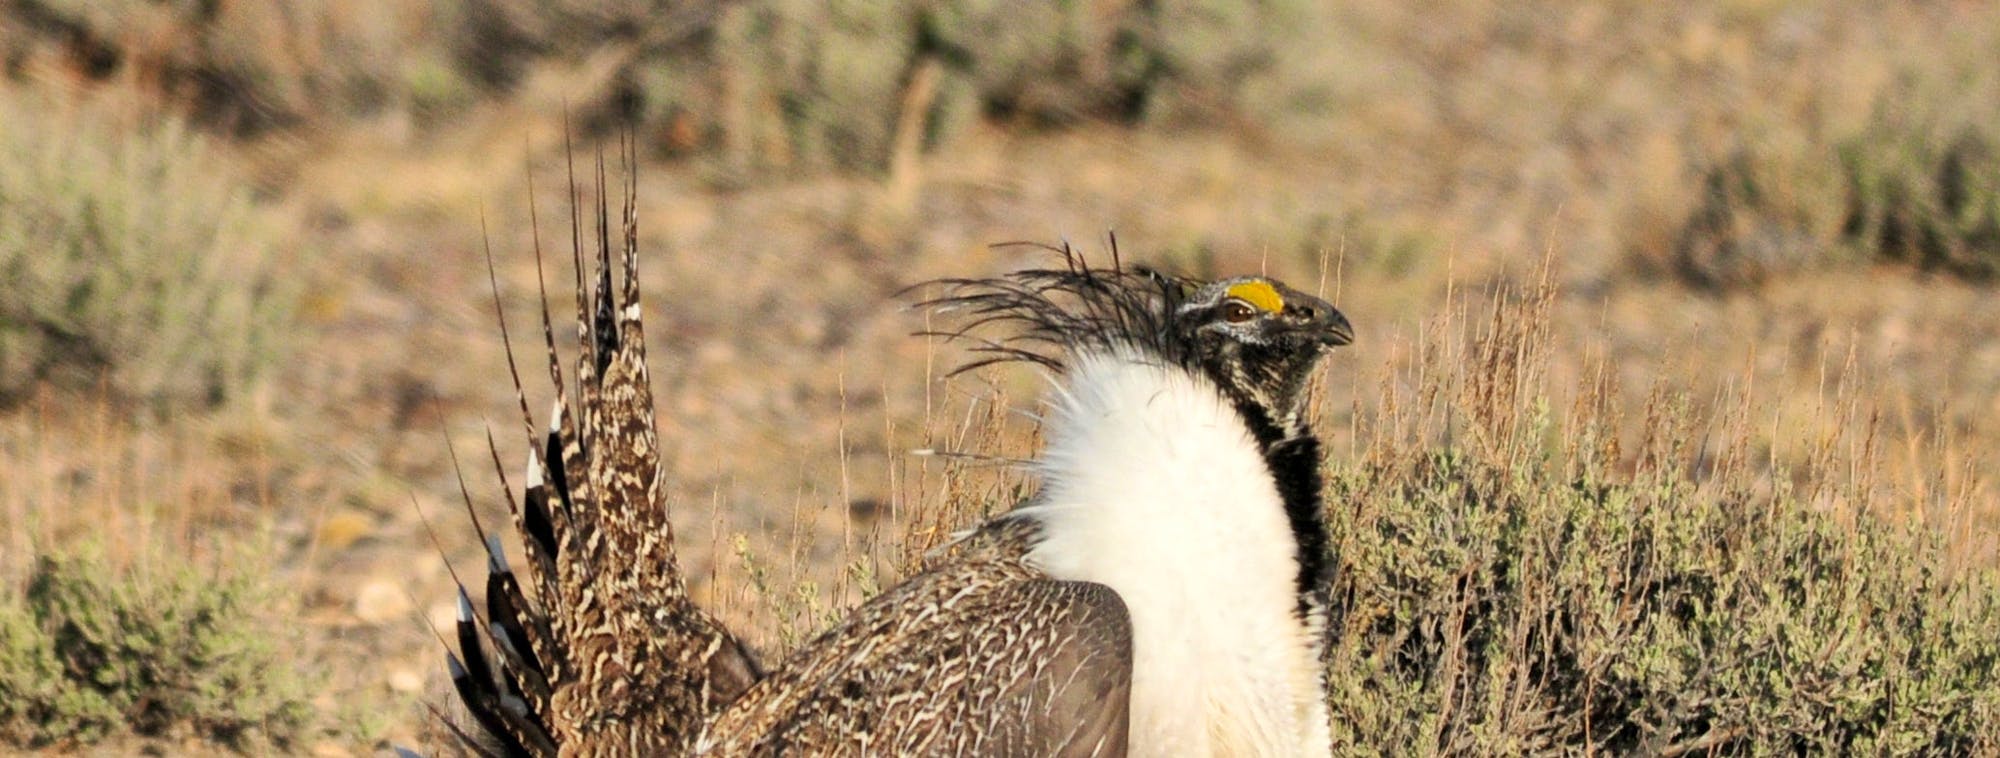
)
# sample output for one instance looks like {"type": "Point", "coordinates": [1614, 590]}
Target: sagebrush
{"type": "Point", "coordinates": [1900, 166]}
{"type": "Point", "coordinates": [791, 86]}
{"type": "Point", "coordinates": [1516, 581]}
{"type": "Point", "coordinates": [131, 261]}
{"type": "Point", "coordinates": [89, 650]}
{"type": "Point", "coordinates": [244, 69]}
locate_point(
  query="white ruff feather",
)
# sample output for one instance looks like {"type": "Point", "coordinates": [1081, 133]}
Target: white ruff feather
{"type": "Point", "coordinates": [1154, 486]}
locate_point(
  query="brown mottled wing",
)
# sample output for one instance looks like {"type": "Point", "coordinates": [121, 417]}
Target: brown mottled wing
{"type": "Point", "coordinates": [1074, 701]}
{"type": "Point", "coordinates": [974, 657]}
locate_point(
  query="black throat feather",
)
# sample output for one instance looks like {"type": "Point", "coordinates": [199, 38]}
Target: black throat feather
{"type": "Point", "coordinates": [1294, 463]}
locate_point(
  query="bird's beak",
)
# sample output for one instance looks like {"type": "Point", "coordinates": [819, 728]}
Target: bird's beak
{"type": "Point", "coordinates": [1334, 328]}
{"type": "Point", "coordinates": [1318, 320]}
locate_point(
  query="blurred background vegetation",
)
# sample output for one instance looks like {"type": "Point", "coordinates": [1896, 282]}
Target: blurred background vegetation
{"type": "Point", "coordinates": [236, 238]}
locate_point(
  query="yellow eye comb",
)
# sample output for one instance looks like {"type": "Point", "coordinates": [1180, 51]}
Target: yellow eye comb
{"type": "Point", "coordinates": [1259, 294]}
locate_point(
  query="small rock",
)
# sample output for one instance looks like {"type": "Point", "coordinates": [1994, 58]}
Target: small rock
{"type": "Point", "coordinates": [405, 681]}
{"type": "Point", "coordinates": [379, 601]}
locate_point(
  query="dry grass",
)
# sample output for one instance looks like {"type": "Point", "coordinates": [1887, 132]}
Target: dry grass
{"type": "Point", "coordinates": [1417, 165]}
{"type": "Point", "coordinates": [81, 469]}
{"type": "Point", "coordinates": [139, 595]}
{"type": "Point", "coordinates": [1520, 574]}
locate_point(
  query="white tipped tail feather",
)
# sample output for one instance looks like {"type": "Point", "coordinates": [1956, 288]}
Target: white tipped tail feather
{"type": "Point", "coordinates": [1155, 487]}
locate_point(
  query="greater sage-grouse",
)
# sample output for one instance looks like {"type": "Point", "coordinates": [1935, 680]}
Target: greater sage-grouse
{"type": "Point", "coordinates": [1162, 595]}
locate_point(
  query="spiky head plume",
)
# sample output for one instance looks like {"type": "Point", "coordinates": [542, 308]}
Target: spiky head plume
{"type": "Point", "coordinates": [1257, 339]}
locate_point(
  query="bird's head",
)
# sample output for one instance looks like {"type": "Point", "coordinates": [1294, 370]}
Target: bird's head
{"type": "Point", "coordinates": [1259, 341]}
{"type": "Point", "coordinates": [1255, 338]}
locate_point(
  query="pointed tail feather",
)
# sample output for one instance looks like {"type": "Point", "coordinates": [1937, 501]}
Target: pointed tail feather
{"type": "Point", "coordinates": [607, 652]}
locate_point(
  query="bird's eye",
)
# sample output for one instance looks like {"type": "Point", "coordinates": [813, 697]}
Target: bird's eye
{"type": "Point", "coordinates": [1237, 311]}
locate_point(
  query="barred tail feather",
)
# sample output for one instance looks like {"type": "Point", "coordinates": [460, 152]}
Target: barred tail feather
{"type": "Point", "coordinates": [607, 653]}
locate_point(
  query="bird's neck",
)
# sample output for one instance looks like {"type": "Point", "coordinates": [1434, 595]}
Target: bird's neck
{"type": "Point", "coordinates": [1293, 458]}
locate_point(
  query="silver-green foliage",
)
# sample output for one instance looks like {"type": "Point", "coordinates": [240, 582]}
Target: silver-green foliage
{"type": "Point", "coordinates": [131, 256]}
{"type": "Point", "coordinates": [89, 651]}
{"type": "Point", "coordinates": [1484, 617]}
{"type": "Point", "coordinates": [810, 85]}
{"type": "Point", "coordinates": [1916, 181]}
{"type": "Point", "coordinates": [1543, 602]}
{"type": "Point", "coordinates": [241, 68]}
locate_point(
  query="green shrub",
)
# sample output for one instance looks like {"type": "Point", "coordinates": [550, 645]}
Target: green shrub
{"type": "Point", "coordinates": [1925, 195]}
{"type": "Point", "coordinates": [1528, 589]}
{"type": "Point", "coordinates": [1762, 212]}
{"type": "Point", "coordinates": [87, 651]}
{"type": "Point", "coordinates": [1492, 612]}
{"type": "Point", "coordinates": [241, 68]}
{"type": "Point", "coordinates": [1915, 181]}
{"type": "Point", "coordinates": [811, 85]}
{"type": "Point", "coordinates": [132, 257]}
{"type": "Point", "coordinates": [1908, 187]}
